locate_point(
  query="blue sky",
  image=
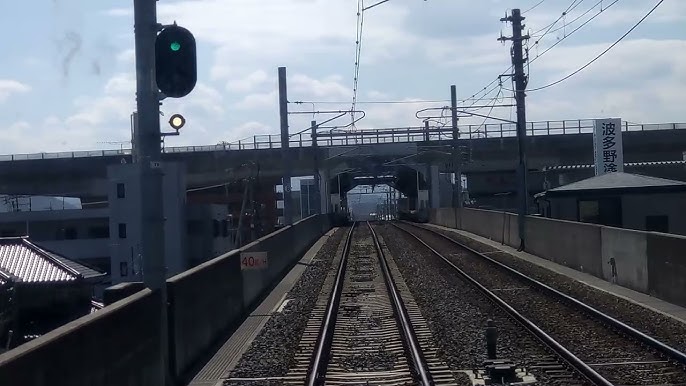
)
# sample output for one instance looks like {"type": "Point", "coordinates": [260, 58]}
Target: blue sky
{"type": "Point", "coordinates": [67, 83]}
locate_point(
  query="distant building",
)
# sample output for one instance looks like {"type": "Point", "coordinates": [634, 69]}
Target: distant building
{"type": "Point", "coordinates": [624, 200]}
{"type": "Point", "coordinates": [40, 290]}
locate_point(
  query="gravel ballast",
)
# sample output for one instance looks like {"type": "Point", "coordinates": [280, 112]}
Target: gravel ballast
{"type": "Point", "coordinates": [660, 326]}
{"type": "Point", "coordinates": [457, 312]}
{"type": "Point", "coordinates": [271, 353]}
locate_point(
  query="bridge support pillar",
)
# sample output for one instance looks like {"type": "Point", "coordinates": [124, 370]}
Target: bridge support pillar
{"type": "Point", "coordinates": [324, 191]}
{"type": "Point", "coordinates": [434, 186]}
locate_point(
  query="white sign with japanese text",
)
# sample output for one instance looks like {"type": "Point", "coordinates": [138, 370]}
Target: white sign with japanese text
{"type": "Point", "coordinates": [607, 146]}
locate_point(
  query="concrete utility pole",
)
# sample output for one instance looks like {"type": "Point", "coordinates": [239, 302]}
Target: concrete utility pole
{"type": "Point", "coordinates": [285, 154]}
{"type": "Point", "coordinates": [148, 146]}
{"type": "Point", "coordinates": [457, 192]}
{"type": "Point", "coordinates": [520, 79]}
{"type": "Point", "coordinates": [317, 178]}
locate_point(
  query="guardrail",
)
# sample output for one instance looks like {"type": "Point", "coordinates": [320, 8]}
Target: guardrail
{"type": "Point", "coordinates": [369, 136]}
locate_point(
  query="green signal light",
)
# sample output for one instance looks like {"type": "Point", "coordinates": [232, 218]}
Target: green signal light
{"type": "Point", "coordinates": [175, 46]}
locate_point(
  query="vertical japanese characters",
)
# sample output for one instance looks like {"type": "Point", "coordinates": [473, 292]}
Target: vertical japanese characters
{"type": "Point", "coordinates": [607, 137]}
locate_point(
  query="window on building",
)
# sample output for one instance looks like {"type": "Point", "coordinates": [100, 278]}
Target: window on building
{"type": "Point", "coordinates": [123, 269]}
{"type": "Point", "coordinates": [122, 231]}
{"type": "Point", "coordinates": [121, 190]}
{"type": "Point", "coordinates": [657, 224]}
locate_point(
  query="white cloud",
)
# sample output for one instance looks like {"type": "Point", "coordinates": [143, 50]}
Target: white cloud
{"type": "Point", "coordinates": [257, 101]}
{"type": "Point", "coordinates": [327, 88]}
{"type": "Point", "coordinates": [248, 82]}
{"type": "Point", "coordinates": [127, 57]}
{"type": "Point", "coordinates": [8, 87]}
{"type": "Point", "coordinates": [124, 83]}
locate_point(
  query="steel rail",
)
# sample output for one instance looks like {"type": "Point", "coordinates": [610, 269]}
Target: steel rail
{"type": "Point", "coordinates": [605, 318]}
{"type": "Point", "coordinates": [326, 333]}
{"type": "Point", "coordinates": [567, 355]}
{"type": "Point", "coordinates": [411, 341]}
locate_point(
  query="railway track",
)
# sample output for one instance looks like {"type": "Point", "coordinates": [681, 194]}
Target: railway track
{"type": "Point", "coordinates": [601, 348]}
{"type": "Point", "coordinates": [367, 329]}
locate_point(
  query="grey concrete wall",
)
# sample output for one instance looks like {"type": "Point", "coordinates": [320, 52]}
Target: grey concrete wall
{"type": "Point", "coordinates": [667, 267]}
{"type": "Point", "coordinates": [118, 345]}
{"type": "Point", "coordinates": [206, 301]}
{"type": "Point", "coordinates": [629, 249]}
{"type": "Point", "coordinates": [573, 244]}
{"type": "Point", "coordinates": [648, 262]}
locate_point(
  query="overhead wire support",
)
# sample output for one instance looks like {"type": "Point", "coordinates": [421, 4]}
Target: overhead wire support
{"type": "Point", "coordinates": [520, 80]}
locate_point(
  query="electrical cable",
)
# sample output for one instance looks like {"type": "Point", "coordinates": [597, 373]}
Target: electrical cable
{"type": "Point", "coordinates": [602, 53]}
{"type": "Point", "coordinates": [534, 7]}
{"type": "Point", "coordinates": [358, 54]}
{"type": "Point", "coordinates": [575, 29]}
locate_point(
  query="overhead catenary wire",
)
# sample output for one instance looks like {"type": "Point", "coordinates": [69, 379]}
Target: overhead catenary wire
{"type": "Point", "coordinates": [534, 6]}
{"type": "Point", "coordinates": [576, 29]}
{"type": "Point", "coordinates": [602, 53]}
{"type": "Point", "coordinates": [358, 55]}
{"type": "Point", "coordinates": [567, 24]}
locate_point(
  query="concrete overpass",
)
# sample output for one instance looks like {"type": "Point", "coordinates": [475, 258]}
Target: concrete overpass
{"type": "Point", "coordinates": [490, 156]}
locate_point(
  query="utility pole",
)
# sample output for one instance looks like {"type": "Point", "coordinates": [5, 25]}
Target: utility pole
{"type": "Point", "coordinates": [521, 80]}
{"type": "Point", "coordinates": [285, 154]}
{"type": "Point", "coordinates": [457, 192]}
{"type": "Point", "coordinates": [317, 178]}
{"type": "Point", "coordinates": [148, 148]}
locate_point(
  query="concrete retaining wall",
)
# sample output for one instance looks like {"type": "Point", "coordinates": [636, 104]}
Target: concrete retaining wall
{"type": "Point", "coordinates": [667, 267]}
{"type": "Point", "coordinates": [206, 301]}
{"type": "Point", "coordinates": [629, 249]}
{"type": "Point", "coordinates": [118, 345]}
{"type": "Point", "coordinates": [573, 244]}
{"type": "Point", "coordinates": [648, 262]}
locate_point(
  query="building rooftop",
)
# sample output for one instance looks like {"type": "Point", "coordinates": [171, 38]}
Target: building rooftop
{"type": "Point", "coordinates": [619, 182]}
{"type": "Point", "coordinates": [23, 261]}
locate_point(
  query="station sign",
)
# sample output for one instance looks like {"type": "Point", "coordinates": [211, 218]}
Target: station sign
{"type": "Point", "coordinates": [607, 146]}
{"type": "Point", "coordinates": [254, 261]}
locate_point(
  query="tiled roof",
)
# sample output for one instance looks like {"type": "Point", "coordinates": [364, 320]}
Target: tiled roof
{"type": "Point", "coordinates": [86, 272]}
{"type": "Point", "coordinates": [23, 261]}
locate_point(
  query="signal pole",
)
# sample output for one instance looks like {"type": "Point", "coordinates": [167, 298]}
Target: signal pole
{"type": "Point", "coordinates": [148, 146]}
{"type": "Point", "coordinates": [285, 154]}
{"type": "Point", "coordinates": [457, 193]}
{"type": "Point", "coordinates": [521, 81]}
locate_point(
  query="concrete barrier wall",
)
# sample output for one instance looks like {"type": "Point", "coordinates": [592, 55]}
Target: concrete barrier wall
{"type": "Point", "coordinates": [206, 301]}
{"type": "Point", "coordinates": [573, 244]}
{"type": "Point", "coordinates": [118, 345]}
{"type": "Point", "coordinates": [667, 267]}
{"type": "Point", "coordinates": [648, 262]}
{"type": "Point", "coordinates": [629, 249]}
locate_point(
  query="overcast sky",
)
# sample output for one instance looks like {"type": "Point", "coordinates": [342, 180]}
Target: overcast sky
{"type": "Point", "coordinates": [67, 72]}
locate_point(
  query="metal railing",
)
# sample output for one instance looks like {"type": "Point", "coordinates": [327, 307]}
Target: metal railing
{"type": "Point", "coordinates": [330, 138]}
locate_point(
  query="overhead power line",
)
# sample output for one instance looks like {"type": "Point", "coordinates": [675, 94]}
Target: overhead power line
{"type": "Point", "coordinates": [534, 6]}
{"type": "Point", "coordinates": [576, 29]}
{"type": "Point", "coordinates": [602, 53]}
{"type": "Point", "coordinates": [358, 54]}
